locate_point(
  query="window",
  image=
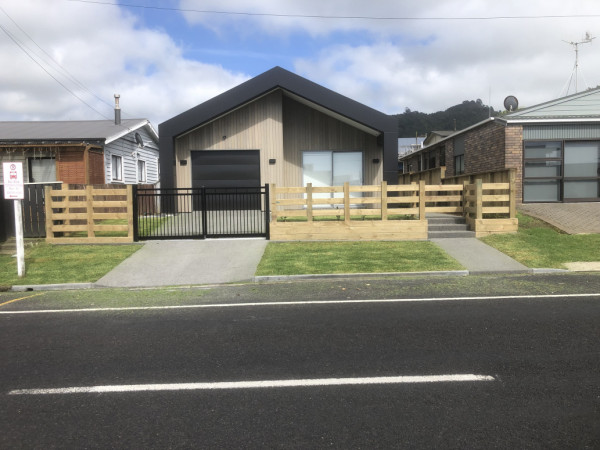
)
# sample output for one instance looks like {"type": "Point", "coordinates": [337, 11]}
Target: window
{"type": "Point", "coordinates": [582, 171]}
{"type": "Point", "coordinates": [117, 168]}
{"type": "Point", "coordinates": [542, 171]}
{"type": "Point", "coordinates": [459, 164]}
{"type": "Point", "coordinates": [141, 166]}
{"type": "Point", "coordinates": [332, 169]}
{"type": "Point", "coordinates": [42, 170]}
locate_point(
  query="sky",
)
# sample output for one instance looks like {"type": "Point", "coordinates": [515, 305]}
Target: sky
{"type": "Point", "coordinates": [65, 59]}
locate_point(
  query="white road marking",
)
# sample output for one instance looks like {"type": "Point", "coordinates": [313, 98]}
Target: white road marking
{"type": "Point", "coordinates": [301, 303]}
{"type": "Point", "coordinates": [256, 384]}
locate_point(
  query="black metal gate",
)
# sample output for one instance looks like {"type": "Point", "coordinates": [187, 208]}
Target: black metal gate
{"type": "Point", "coordinates": [199, 213]}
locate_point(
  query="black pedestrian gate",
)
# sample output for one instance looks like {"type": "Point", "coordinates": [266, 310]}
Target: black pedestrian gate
{"type": "Point", "coordinates": [199, 213]}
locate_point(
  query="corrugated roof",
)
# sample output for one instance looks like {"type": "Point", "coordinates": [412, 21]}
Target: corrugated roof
{"type": "Point", "coordinates": [583, 105]}
{"type": "Point", "coordinates": [71, 130]}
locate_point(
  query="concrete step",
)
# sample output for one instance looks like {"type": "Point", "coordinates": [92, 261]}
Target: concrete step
{"type": "Point", "coordinates": [453, 234]}
{"type": "Point", "coordinates": [447, 227]}
{"type": "Point", "coordinates": [439, 219]}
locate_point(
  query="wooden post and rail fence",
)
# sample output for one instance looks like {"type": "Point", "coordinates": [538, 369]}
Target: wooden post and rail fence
{"type": "Point", "coordinates": [104, 214]}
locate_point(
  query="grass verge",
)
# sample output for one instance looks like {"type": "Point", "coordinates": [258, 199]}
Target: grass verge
{"type": "Point", "coordinates": [296, 258]}
{"type": "Point", "coordinates": [538, 244]}
{"type": "Point", "coordinates": [50, 264]}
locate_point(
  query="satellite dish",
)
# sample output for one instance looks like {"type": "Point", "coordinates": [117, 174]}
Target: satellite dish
{"type": "Point", "coordinates": [511, 103]}
{"type": "Point", "coordinates": [139, 140]}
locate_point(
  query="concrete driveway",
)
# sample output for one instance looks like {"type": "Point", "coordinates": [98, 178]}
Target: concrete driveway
{"type": "Point", "coordinates": [572, 218]}
{"type": "Point", "coordinates": [188, 262]}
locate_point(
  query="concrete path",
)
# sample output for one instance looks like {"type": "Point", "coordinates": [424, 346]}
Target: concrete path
{"type": "Point", "coordinates": [478, 257]}
{"type": "Point", "coordinates": [188, 262]}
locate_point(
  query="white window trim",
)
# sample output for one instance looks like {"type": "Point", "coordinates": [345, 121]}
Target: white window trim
{"type": "Point", "coordinates": [113, 179]}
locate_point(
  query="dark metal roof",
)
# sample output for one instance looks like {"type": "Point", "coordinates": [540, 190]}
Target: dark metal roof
{"type": "Point", "coordinates": [68, 131]}
{"type": "Point", "coordinates": [278, 78]}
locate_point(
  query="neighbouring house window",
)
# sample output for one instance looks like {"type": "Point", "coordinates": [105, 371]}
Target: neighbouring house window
{"type": "Point", "coordinates": [459, 164]}
{"type": "Point", "coordinates": [542, 171]}
{"type": "Point", "coordinates": [117, 168]}
{"type": "Point", "coordinates": [581, 170]}
{"type": "Point", "coordinates": [141, 171]}
{"type": "Point", "coordinates": [328, 168]}
{"type": "Point", "coordinates": [42, 170]}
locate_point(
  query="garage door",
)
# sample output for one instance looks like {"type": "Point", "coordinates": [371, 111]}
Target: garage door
{"type": "Point", "coordinates": [231, 179]}
{"type": "Point", "coordinates": [225, 168]}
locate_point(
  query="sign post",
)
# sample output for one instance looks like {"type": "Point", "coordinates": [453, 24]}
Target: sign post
{"type": "Point", "coordinates": [14, 190]}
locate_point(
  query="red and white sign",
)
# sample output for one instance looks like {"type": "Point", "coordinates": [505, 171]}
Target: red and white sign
{"type": "Point", "coordinates": [13, 180]}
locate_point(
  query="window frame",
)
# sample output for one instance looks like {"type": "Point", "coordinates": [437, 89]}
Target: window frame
{"type": "Point", "coordinates": [142, 175]}
{"type": "Point", "coordinates": [116, 161]}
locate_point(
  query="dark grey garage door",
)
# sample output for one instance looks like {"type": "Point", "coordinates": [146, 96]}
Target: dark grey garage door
{"type": "Point", "coordinates": [231, 179]}
{"type": "Point", "coordinates": [225, 168]}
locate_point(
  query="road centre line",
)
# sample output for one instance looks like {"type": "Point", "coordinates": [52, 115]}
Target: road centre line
{"type": "Point", "coordinates": [301, 303]}
{"type": "Point", "coordinates": [256, 384]}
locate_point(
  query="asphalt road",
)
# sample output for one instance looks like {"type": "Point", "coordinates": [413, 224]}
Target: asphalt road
{"type": "Point", "coordinates": [542, 353]}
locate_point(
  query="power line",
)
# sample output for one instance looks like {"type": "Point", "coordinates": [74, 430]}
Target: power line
{"type": "Point", "coordinates": [22, 47]}
{"type": "Point", "coordinates": [65, 72]}
{"type": "Point", "coordinates": [319, 16]}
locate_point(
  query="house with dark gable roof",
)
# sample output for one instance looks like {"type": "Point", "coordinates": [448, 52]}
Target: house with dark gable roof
{"type": "Point", "coordinates": [278, 128]}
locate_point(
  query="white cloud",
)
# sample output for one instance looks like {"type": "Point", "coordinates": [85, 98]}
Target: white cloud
{"type": "Point", "coordinates": [426, 65]}
{"type": "Point", "coordinates": [108, 51]}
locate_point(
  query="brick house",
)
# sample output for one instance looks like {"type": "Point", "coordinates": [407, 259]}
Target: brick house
{"type": "Point", "coordinates": [553, 147]}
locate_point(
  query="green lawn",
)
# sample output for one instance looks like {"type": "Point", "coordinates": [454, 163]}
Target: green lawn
{"type": "Point", "coordinates": [293, 258]}
{"type": "Point", "coordinates": [49, 264]}
{"type": "Point", "coordinates": [538, 244]}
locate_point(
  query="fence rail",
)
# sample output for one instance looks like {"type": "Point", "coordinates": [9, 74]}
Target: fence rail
{"type": "Point", "coordinates": [382, 212]}
{"type": "Point", "coordinates": [89, 214]}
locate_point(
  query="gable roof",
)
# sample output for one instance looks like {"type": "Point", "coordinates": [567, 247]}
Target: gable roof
{"type": "Point", "coordinates": [582, 106]}
{"type": "Point", "coordinates": [296, 87]}
{"type": "Point", "coordinates": [72, 130]}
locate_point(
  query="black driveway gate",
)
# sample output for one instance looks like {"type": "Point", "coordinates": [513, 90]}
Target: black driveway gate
{"type": "Point", "coordinates": [199, 213]}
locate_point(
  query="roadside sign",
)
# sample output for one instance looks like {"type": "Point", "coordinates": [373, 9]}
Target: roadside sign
{"type": "Point", "coordinates": [13, 180]}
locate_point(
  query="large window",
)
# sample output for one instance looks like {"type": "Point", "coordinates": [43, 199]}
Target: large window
{"type": "Point", "coordinates": [542, 171]}
{"type": "Point", "coordinates": [332, 169]}
{"type": "Point", "coordinates": [561, 170]}
{"type": "Point", "coordinates": [116, 168]}
{"type": "Point", "coordinates": [582, 171]}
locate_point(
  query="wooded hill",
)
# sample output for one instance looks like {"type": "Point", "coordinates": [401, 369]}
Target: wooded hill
{"type": "Point", "coordinates": [469, 112]}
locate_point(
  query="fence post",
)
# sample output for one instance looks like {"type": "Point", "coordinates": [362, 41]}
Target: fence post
{"type": "Point", "coordinates": [384, 213]}
{"type": "Point", "coordinates": [132, 212]}
{"type": "Point", "coordinates": [267, 212]}
{"type": "Point", "coordinates": [465, 200]}
{"type": "Point", "coordinates": [273, 200]}
{"type": "Point", "coordinates": [478, 199]}
{"type": "Point", "coordinates": [309, 202]}
{"type": "Point", "coordinates": [48, 207]}
{"type": "Point", "coordinates": [89, 199]}
{"type": "Point", "coordinates": [512, 203]}
{"type": "Point", "coordinates": [422, 200]}
{"type": "Point", "coordinates": [346, 202]}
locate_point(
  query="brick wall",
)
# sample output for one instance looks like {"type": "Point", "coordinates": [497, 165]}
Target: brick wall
{"type": "Point", "coordinates": [484, 148]}
{"type": "Point", "coordinates": [513, 156]}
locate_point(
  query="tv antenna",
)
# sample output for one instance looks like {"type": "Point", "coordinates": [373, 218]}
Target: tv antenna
{"type": "Point", "coordinates": [587, 39]}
